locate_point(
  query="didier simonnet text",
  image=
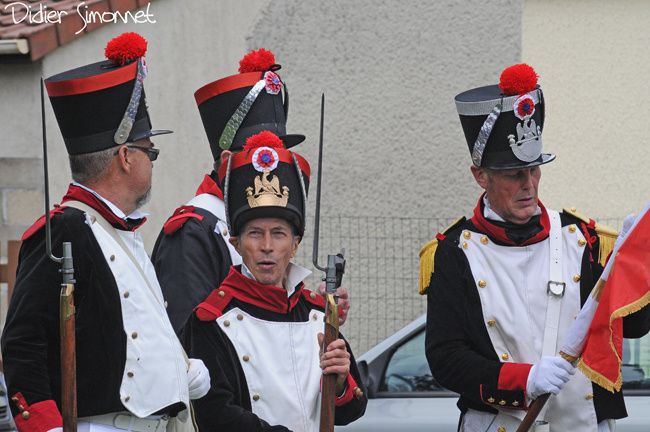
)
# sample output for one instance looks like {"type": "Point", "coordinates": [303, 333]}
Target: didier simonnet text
{"type": "Point", "coordinates": [23, 12]}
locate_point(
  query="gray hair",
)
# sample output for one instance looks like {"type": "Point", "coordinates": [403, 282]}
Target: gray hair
{"type": "Point", "coordinates": [90, 166]}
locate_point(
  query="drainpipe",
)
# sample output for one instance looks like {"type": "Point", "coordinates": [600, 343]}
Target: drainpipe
{"type": "Point", "coordinates": [14, 46]}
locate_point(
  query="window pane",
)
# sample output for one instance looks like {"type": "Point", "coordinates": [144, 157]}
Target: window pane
{"type": "Point", "coordinates": [636, 363]}
{"type": "Point", "coordinates": [408, 370]}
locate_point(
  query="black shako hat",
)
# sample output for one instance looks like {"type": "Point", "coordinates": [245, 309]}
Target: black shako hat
{"type": "Point", "coordinates": [239, 106]}
{"type": "Point", "coordinates": [265, 180]}
{"type": "Point", "coordinates": [503, 123]}
{"type": "Point", "coordinates": [102, 105]}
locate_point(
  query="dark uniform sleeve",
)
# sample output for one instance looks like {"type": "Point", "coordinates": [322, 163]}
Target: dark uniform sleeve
{"type": "Point", "coordinates": [190, 263]}
{"type": "Point", "coordinates": [30, 340]}
{"type": "Point", "coordinates": [226, 407]}
{"type": "Point", "coordinates": [457, 345]}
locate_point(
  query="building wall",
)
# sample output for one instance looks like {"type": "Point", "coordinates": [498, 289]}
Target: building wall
{"type": "Point", "coordinates": [590, 55]}
{"type": "Point", "coordinates": [396, 163]}
{"type": "Point", "coordinates": [394, 149]}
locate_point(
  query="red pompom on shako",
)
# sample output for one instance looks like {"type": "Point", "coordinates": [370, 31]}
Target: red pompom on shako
{"type": "Point", "coordinates": [125, 48]}
{"type": "Point", "coordinates": [518, 79]}
{"type": "Point", "coordinates": [263, 139]}
{"type": "Point", "coordinates": [257, 61]}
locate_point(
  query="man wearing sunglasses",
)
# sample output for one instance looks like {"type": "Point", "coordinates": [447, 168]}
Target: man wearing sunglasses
{"type": "Point", "coordinates": [132, 373]}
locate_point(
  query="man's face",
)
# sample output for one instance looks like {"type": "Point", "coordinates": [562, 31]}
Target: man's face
{"type": "Point", "coordinates": [512, 193]}
{"type": "Point", "coordinates": [267, 246]}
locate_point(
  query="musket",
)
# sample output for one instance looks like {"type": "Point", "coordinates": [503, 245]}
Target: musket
{"type": "Point", "coordinates": [333, 276]}
{"type": "Point", "coordinates": [66, 304]}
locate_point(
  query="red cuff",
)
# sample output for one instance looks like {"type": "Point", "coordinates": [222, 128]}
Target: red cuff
{"type": "Point", "coordinates": [514, 376]}
{"type": "Point", "coordinates": [38, 417]}
{"type": "Point", "coordinates": [350, 392]}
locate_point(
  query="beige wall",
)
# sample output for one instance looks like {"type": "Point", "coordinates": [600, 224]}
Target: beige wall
{"type": "Point", "coordinates": [593, 65]}
{"type": "Point", "coordinates": [394, 147]}
{"type": "Point", "coordinates": [397, 165]}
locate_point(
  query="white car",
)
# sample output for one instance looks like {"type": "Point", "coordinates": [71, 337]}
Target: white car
{"type": "Point", "coordinates": [403, 396]}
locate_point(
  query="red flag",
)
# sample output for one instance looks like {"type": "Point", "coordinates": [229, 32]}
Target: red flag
{"type": "Point", "coordinates": [626, 291]}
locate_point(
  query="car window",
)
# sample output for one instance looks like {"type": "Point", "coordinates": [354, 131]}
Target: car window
{"type": "Point", "coordinates": [408, 370]}
{"type": "Point", "coordinates": [636, 363]}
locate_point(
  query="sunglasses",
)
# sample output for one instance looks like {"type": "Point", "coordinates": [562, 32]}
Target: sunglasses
{"type": "Point", "coordinates": [151, 152]}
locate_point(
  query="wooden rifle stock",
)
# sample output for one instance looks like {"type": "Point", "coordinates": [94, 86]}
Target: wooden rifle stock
{"type": "Point", "coordinates": [533, 412]}
{"type": "Point", "coordinates": [68, 359]}
{"type": "Point", "coordinates": [328, 391]}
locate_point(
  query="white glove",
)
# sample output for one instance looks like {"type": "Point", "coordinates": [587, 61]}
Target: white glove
{"type": "Point", "coordinates": [549, 375]}
{"type": "Point", "coordinates": [198, 379]}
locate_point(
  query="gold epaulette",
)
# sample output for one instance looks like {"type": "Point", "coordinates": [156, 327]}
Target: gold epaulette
{"type": "Point", "coordinates": [606, 235]}
{"type": "Point", "coordinates": [427, 255]}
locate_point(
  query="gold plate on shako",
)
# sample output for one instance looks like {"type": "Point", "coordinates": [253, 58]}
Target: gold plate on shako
{"type": "Point", "coordinates": [266, 192]}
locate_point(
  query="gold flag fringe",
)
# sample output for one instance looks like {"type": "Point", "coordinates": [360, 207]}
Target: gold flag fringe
{"type": "Point", "coordinates": [597, 377]}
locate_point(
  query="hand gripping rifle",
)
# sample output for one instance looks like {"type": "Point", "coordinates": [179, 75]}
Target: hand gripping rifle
{"type": "Point", "coordinates": [66, 305]}
{"type": "Point", "coordinates": [333, 275]}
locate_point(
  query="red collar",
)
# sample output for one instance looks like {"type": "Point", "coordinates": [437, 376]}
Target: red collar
{"type": "Point", "coordinates": [268, 297]}
{"type": "Point", "coordinates": [209, 186]}
{"type": "Point", "coordinates": [499, 233]}
{"type": "Point", "coordinates": [75, 193]}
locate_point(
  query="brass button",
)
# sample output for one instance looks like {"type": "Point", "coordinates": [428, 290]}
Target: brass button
{"type": "Point", "coordinates": [134, 335]}
{"type": "Point", "coordinates": [221, 293]}
{"type": "Point", "coordinates": [490, 400]}
{"type": "Point", "coordinates": [505, 356]}
{"type": "Point", "coordinates": [589, 396]}
{"type": "Point", "coordinates": [482, 283]}
{"type": "Point", "coordinates": [128, 398]}
{"type": "Point", "coordinates": [246, 357]}
{"type": "Point", "coordinates": [573, 209]}
{"type": "Point", "coordinates": [491, 323]}
{"type": "Point", "coordinates": [582, 242]}
{"type": "Point", "coordinates": [129, 374]}
{"type": "Point", "coordinates": [112, 258]}
{"type": "Point", "coordinates": [484, 240]}
{"type": "Point", "coordinates": [166, 304]}
{"type": "Point", "coordinates": [25, 415]}
{"type": "Point", "coordinates": [515, 403]}
{"type": "Point", "coordinates": [501, 429]}
{"type": "Point", "coordinates": [502, 402]}
{"type": "Point", "coordinates": [315, 317]}
{"type": "Point", "coordinates": [467, 235]}
{"type": "Point", "coordinates": [464, 245]}
{"type": "Point", "coordinates": [126, 294]}
{"type": "Point", "coordinates": [240, 317]}
{"type": "Point", "coordinates": [312, 295]}
{"type": "Point", "coordinates": [224, 232]}
{"type": "Point", "coordinates": [572, 228]}
{"type": "Point", "coordinates": [576, 278]}
{"type": "Point", "coordinates": [226, 323]}
{"type": "Point", "coordinates": [358, 393]}
{"type": "Point", "coordinates": [256, 397]}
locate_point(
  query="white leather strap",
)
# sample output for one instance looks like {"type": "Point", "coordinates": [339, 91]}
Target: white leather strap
{"type": "Point", "coordinates": [555, 287]}
{"type": "Point", "coordinates": [217, 207]}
